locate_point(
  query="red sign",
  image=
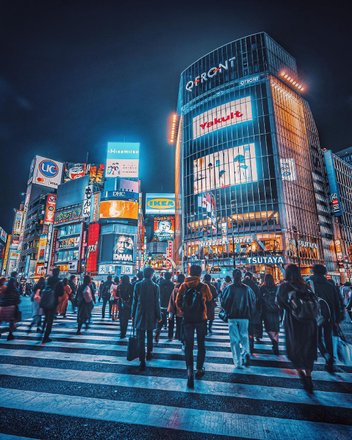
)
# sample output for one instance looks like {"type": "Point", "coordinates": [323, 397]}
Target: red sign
{"type": "Point", "coordinates": [50, 209]}
{"type": "Point", "coordinates": [53, 249]}
{"type": "Point", "coordinates": [92, 249]}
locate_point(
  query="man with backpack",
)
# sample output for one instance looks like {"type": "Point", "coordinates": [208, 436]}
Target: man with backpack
{"type": "Point", "coordinates": [105, 295]}
{"type": "Point", "coordinates": [328, 297]}
{"type": "Point", "coordinates": [53, 289]}
{"type": "Point", "coordinates": [192, 298]}
{"type": "Point", "coordinates": [166, 287]}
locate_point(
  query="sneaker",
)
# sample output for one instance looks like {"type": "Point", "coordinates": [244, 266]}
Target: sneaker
{"type": "Point", "coordinates": [330, 368]}
{"type": "Point", "coordinates": [142, 366]}
{"type": "Point", "coordinates": [44, 341]}
{"type": "Point", "coordinates": [247, 360]}
{"type": "Point", "coordinates": [10, 337]}
{"type": "Point", "coordinates": [276, 348]}
{"type": "Point", "coordinates": [200, 373]}
{"type": "Point", "coordinates": [309, 385]}
{"type": "Point", "coordinates": [190, 378]}
{"type": "Point", "coordinates": [78, 332]}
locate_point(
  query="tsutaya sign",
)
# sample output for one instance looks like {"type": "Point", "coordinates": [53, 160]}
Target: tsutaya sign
{"type": "Point", "coordinates": [210, 73]}
{"type": "Point", "coordinates": [270, 259]}
{"type": "Point", "coordinates": [224, 115]}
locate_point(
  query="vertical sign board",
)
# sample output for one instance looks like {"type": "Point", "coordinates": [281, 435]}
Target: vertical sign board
{"type": "Point", "coordinates": [92, 251]}
{"type": "Point", "coordinates": [87, 202]}
{"type": "Point", "coordinates": [53, 249]}
{"type": "Point", "coordinates": [95, 209]}
{"type": "Point", "coordinates": [50, 208]}
{"type": "Point", "coordinates": [335, 199]}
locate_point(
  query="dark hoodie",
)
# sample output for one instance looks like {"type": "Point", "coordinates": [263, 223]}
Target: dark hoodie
{"type": "Point", "coordinates": [192, 282]}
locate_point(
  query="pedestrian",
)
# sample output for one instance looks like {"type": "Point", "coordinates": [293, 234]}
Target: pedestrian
{"type": "Point", "coordinates": [270, 311]}
{"type": "Point", "coordinates": [238, 302]}
{"type": "Point", "coordinates": [175, 313]}
{"type": "Point", "coordinates": [166, 287]}
{"type": "Point", "coordinates": [9, 301]}
{"type": "Point", "coordinates": [114, 299]}
{"type": "Point", "coordinates": [191, 299]}
{"type": "Point", "coordinates": [125, 295]}
{"type": "Point", "coordinates": [225, 283]}
{"type": "Point", "coordinates": [37, 311]}
{"type": "Point", "coordinates": [63, 300]}
{"type": "Point", "coordinates": [104, 294]}
{"type": "Point", "coordinates": [329, 300]}
{"type": "Point", "coordinates": [72, 297]}
{"type": "Point", "coordinates": [210, 304]}
{"type": "Point", "coordinates": [137, 278]}
{"type": "Point", "coordinates": [145, 313]}
{"type": "Point", "coordinates": [293, 296]}
{"type": "Point", "coordinates": [255, 328]}
{"type": "Point", "coordinates": [85, 300]}
{"type": "Point", "coordinates": [49, 300]}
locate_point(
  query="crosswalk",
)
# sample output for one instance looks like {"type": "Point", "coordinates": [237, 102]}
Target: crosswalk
{"type": "Point", "coordinates": [83, 386]}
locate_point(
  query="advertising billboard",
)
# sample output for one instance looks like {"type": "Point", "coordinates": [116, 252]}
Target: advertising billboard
{"type": "Point", "coordinates": [87, 201]}
{"type": "Point", "coordinates": [3, 235]}
{"type": "Point", "coordinates": [335, 198]}
{"type": "Point", "coordinates": [122, 209]}
{"type": "Point", "coordinates": [122, 189]}
{"type": "Point", "coordinates": [224, 115]}
{"type": "Point", "coordinates": [164, 228]}
{"type": "Point", "coordinates": [288, 169]}
{"type": "Point", "coordinates": [123, 248]}
{"type": "Point", "coordinates": [17, 223]}
{"type": "Point", "coordinates": [69, 242]}
{"type": "Point", "coordinates": [74, 171]}
{"type": "Point", "coordinates": [122, 159]}
{"type": "Point", "coordinates": [50, 208]}
{"type": "Point", "coordinates": [68, 215]}
{"type": "Point", "coordinates": [160, 203]}
{"type": "Point", "coordinates": [92, 249]}
{"type": "Point", "coordinates": [96, 174]}
{"type": "Point", "coordinates": [94, 212]}
{"type": "Point", "coordinates": [47, 172]}
{"type": "Point", "coordinates": [233, 166]}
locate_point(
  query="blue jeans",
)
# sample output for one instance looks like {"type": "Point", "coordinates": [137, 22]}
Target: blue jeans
{"type": "Point", "coordinates": [238, 331]}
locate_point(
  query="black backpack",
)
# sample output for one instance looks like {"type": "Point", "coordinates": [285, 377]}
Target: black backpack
{"type": "Point", "coordinates": [47, 297]}
{"type": "Point", "coordinates": [304, 304]}
{"type": "Point", "coordinates": [193, 304]}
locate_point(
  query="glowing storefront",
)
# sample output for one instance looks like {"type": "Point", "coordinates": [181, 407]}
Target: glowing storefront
{"type": "Point", "coordinates": [244, 185]}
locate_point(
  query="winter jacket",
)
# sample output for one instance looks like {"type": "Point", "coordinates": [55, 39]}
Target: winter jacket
{"type": "Point", "coordinates": [212, 303]}
{"type": "Point", "coordinates": [166, 287]}
{"type": "Point", "coordinates": [57, 286]}
{"type": "Point", "coordinates": [328, 292]}
{"type": "Point", "coordinates": [238, 301]}
{"type": "Point", "coordinates": [10, 297]}
{"type": "Point", "coordinates": [172, 307]}
{"type": "Point", "coordinates": [256, 317]}
{"type": "Point", "coordinates": [125, 294]}
{"type": "Point", "coordinates": [193, 282]}
{"type": "Point", "coordinates": [146, 305]}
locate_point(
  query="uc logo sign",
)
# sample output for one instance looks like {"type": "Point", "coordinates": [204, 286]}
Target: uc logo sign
{"type": "Point", "coordinates": [48, 168]}
{"type": "Point", "coordinates": [161, 203]}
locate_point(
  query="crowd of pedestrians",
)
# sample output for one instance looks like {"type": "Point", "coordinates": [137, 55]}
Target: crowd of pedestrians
{"type": "Point", "coordinates": [310, 311]}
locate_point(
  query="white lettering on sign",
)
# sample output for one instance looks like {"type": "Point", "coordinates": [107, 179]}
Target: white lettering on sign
{"type": "Point", "coordinates": [210, 73]}
{"type": "Point", "coordinates": [271, 259]}
{"type": "Point", "coordinates": [224, 115]}
{"type": "Point", "coordinates": [248, 81]}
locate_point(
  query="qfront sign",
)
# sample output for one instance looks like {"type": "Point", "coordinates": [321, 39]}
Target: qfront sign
{"type": "Point", "coordinates": [270, 259]}
{"type": "Point", "coordinates": [224, 115]}
{"type": "Point", "coordinates": [210, 73]}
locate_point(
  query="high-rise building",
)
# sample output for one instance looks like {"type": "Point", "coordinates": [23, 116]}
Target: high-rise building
{"type": "Point", "coordinates": [345, 154]}
{"type": "Point", "coordinates": [244, 184]}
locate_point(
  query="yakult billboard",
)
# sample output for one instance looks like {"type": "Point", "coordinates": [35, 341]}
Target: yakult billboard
{"type": "Point", "coordinates": [47, 172]}
{"type": "Point", "coordinates": [224, 115]}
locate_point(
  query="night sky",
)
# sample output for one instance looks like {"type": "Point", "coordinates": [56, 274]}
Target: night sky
{"type": "Point", "coordinates": [76, 74]}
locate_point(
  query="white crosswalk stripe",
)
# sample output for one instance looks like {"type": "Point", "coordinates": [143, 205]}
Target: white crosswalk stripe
{"type": "Point", "coordinates": [88, 377]}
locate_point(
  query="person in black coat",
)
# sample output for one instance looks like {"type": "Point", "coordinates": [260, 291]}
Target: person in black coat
{"type": "Point", "coordinates": [105, 294]}
{"type": "Point", "coordinates": [301, 336]}
{"type": "Point", "coordinates": [212, 303]}
{"type": "Point", "coordinates": [125, 295]}
{"type": "Point", "coordinates": [270, 311]}
{"type": "Point", "coordinates": [330, 306]}
{"type": "Point", "coordinates": [146, 313]}
{"type": "Point", "coordinates": [72, 298]}
{"type": "Point", "coordinates": [166, 287]}
{"type": "Point", "coordinates": [54, 283]}
{"type": "Point", "coordinates": [255, 328]}
{"type": "Point", "coordinates": [9, 300]}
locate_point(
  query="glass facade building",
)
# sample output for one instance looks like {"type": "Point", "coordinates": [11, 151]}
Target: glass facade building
{"type": "Point", "coordinates": [244, 186]}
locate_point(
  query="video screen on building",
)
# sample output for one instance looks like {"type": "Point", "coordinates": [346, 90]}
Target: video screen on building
{"type": "Point", "coordinates": [164, 228]}
{"type": "Point", "coordinates": [224, 115]}
{"type": "Point", "coordinates": [122, 159]}
{"type": "Point", "coordinates": [123, 248]}
{"type": "Point", "coordinates": [233, 166]}
{"type": "Point", "coordinates": [123, 209]}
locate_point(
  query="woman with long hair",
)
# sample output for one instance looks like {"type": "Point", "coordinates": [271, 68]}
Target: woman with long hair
{"type": "Point", "coordinates": [85, 300]}
{"type": "Point", "coordinates": [301, 335]}
{"type": "Point", "coordinates": [270, 311]}
{"type": "Point", "coordinates": [125, 297]}
{"type": "Point", "coordinates": [175, 313]}
{"type": "Point", "coordinates": [37, 312]}
{"type": "Point", "coordinates": [63, 300]}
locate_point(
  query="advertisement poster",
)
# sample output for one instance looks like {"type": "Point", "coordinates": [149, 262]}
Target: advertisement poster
{"type": "Point", "coordinates": [123, 249]}
{"type": "Point", "coordinates": [123, 209]}
{"type": "Point", "coordinates": [96, 174]}
{"type": "Point", "coordinates": [94, 213]}
{"type": "Point", "coordinates": [50, 208]}
{"type": "Point", "coordinates": [87, 201]}
{"type": "Point", "coordinates": [69, 242]}
{"type": "Point", "coordinates": [17, 223]}
{"type": "Point", "coordinates": [122, 159]}
{"type": "Point", "coordinates": [164, 228]}
{"type": "Point", "coordinates": [230, 167]}
{"type": "Point", "coordinates": [74, 171]}
{"type": "Point", "coordinates": [47, 172]}
{"type": "Point", "coordinates": [92, 250]}
{"type": "Point", "coordinates": [224, 115]}
{"type": "Point", "coordinates": [68, 215]}
{"type": "Point", "coordinates": [160, 203]}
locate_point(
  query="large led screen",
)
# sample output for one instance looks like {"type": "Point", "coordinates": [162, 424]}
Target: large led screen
{"type": "Point", "coordinates": [122, 159]}
{"type": "Point", "coordinates": [123, 248]}
{"type": "Point", "coordinates": [224, 115]}
{"type": "Point", "coordinates": [164, 228]}
{"type": "Point", "coordinates": [160, 203]}
{"type": "Point", "coordinates": [225, 168]}
{"type": "Point", "coordinates": [124, 209]}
